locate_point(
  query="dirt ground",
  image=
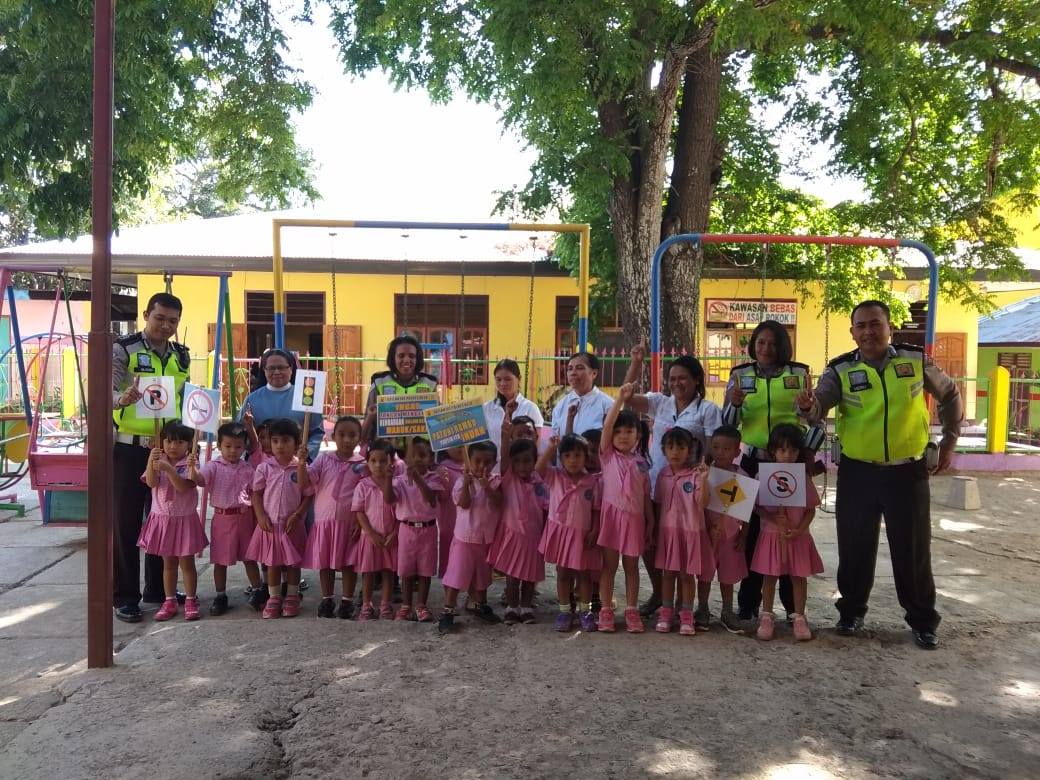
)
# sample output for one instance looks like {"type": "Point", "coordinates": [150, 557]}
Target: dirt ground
{"type": "Point", "coordinates": [237, 697]}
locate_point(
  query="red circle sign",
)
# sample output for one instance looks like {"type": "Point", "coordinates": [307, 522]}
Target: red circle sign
{"type": "Point", "coordinates": [155, 397]}
{"type": "Point", "coordinates": [200, 408]}
{"type": "Point", "coordinates": [782, 484]}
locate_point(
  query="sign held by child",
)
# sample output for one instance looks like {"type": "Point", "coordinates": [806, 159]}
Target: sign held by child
{"type": "Point", "coordinates": [781, 484]}
{"type": "Point", "coordinates": [731, 493]}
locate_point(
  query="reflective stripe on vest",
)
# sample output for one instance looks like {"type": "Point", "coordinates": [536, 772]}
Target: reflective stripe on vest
{"type": "Point", "coordinates": [768, 402]}
{"type": "Point", "coordinates": [883, 417]}
{"type": "Point", "coordinates": [126, 419]}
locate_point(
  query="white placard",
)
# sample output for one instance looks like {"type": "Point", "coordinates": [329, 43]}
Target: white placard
{"type": "Point", "coordinates": [731, 493]}
{"type": "Point", "coordinates": [309, 392]}
{"type": "Point", "coordinates": [158, 397]}
{"type": "Point", "coordinates": [201, 408]}
{"type": "Point", "coordinates": [781, 484]}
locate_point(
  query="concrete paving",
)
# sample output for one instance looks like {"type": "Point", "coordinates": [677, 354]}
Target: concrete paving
{"type": "Point", "coordinates": [237, 697]}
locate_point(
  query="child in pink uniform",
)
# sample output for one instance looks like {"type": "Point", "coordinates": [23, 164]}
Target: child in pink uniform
{"type": "Point", "coordinates": [514, 550]}
{"type": "Point", "coordinates": [280, 505]}
{"type": "Point", "coordinates": [416, 495]}
{"type": "Point", "coordinates": [569, 538]}
{"type": "Point", "coordinates": [173, 528]}
{"type": "Point", "coordinates": [229, 480]}
{"type": "Point", "coordinates": [332, 539]}
{"type": "Point", "coordinates": [722, 541]}
{"type": "Point", "coordinates": [451, 467]}
{"type": "Point", "coordinates": [377, 548]}
{"type": "Point", "coordinates": [785, 545]}
{"type": "Point", "coordinates": [626, 524]}
{"type": "Point", "coordinates": [478, 496]}
{"type": "Point", "coordinates": [680, 495]}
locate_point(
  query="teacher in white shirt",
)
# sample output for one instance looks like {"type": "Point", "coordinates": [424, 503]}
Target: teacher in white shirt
{"type": "Point", "coordinates": [593, 404]}
{"type": "Point", "coordinates": [507, 384]}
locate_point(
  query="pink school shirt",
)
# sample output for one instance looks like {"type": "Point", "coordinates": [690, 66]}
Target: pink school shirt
{"type": "Point", "coordinates": [524, 503]}
{"type": "Point", "coordinates": [680, 500]}
{"type": "Point", "coordinates": [229, 483]}
{"type": "Point", "coordinates": [771, 514]}
{"type": "Point", "coordinates": [477, 524]}
{"type": "Point", "coordinates": [411, 506]}
{"type": "Point", "coordinates": [167, 500]}
{"type": "Point", "coordinates": [334, 481]}
{"type": "Point", "coordinates": [282, 494]}
{"type": "Point", "coordinates": [571, 503]}
{"type": "Point", "coordinates": [256, 457]}
{"type": "Point", "coordinates": [626, 481]}
{"type": "Point", "coordinates": [368, 498]}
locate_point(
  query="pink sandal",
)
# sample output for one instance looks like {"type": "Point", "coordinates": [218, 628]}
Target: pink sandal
{"type": "Point", "coordinates": [273, 608]}
{"type": "Point", "coordinates": [191, 608]}
{"type": "Point", "coordinates": [167, 610]}
{"type": "Point", "coordinates": [291, 606]}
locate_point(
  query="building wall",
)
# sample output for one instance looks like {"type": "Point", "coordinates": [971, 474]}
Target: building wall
{"type": "Point", "coordinates": [1031, 390]}
{"type": "Point", "coordinates": [367, 300]}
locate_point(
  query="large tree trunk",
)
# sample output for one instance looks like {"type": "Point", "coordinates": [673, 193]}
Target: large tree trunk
{"type": "Point", "coordinates": [695, 173]}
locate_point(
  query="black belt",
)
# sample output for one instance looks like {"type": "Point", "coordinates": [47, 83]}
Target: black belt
{"type": "Point", "coordinates": [419, 524]}
{"type": "Point", "coordinates": [231, 510]}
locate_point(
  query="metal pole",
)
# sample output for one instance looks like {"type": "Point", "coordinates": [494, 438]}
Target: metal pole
{"type": "Point", "coordinates": [99, 375]}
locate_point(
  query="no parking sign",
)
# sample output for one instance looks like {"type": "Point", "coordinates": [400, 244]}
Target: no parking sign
{"type": "Point", "coordinates": [158, 397]}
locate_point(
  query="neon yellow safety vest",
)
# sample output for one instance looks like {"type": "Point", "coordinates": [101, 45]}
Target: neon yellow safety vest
{"type": "Point", "coordinates": [883, 417]}
{"type": "Point", "coordinates": [768, 401]}
{"type": "Point", "coordinates": [145, 362]}
{"type": "Point", "coordinates": [385, 384]}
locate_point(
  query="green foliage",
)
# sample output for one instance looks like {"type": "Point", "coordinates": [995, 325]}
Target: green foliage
{"type": "Point", "coordinates": [193, 78]}
{"type": "Point", "coordinates": [932, 105]}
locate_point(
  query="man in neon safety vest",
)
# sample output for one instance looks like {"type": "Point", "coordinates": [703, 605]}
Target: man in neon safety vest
{"type": "Point", "coordinates": [882, 423]}
{"type": "Point", "coordinates": [135, 358]}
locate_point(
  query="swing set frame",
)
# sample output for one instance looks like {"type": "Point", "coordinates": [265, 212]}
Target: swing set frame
{"type": "Point", "coordinates": [699, 239]}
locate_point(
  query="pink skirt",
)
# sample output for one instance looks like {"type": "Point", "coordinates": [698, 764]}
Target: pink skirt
{"type": "Point", "coordinates": [445, 533]}
{"type": "Point", "coordinates": [329, 545]}
{"type": "Point", "coordinates": [564, 546]}
{"type": "Point", "coordinates": [468, 568]}
{"type": "Point", "coordinates": [368, 558]}
{"type": "Point", "coordinates": [802, 558]}
{"type": "Point", "coordinates": [230, 535]}
{"type": "Point", "coordinates": [274, 547]}
{"type": "Point", "coordinates": [622, 531]}
{"type": "Point", "coordinates": [727, 562]}
{"type": "Point", "coordinates": [179, 535]}
{"type": "Point", "coordinates": [516, 555]}
{"type": "Point", "coordinates": [416, 551]}
{"type": "Point", "coordinates": [678, 550]}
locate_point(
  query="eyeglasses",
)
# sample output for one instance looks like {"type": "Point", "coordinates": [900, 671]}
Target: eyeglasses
{"type": "Point", "coordinates": [276, 368]}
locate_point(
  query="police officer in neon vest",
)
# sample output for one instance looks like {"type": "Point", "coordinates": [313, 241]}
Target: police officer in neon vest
{"type": "Point", "coordinates": [761, 395]}
{"type": "Point", "coordinates": [135, 358]}
{"type": "Point", "coordinates": [404, 359]}
{"type": "Point", "coordinates": [882, 422]}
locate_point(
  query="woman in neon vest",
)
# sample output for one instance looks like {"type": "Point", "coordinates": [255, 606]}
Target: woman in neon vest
{"type": "Point", "coordinates": [273, 399]}
{"type": "Point", "coordinates": [404, 361]}
{"type": "Point", "coordinates": [760, 395]}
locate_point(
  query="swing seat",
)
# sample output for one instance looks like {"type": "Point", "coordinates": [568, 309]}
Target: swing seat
{"type": "Point", "coordinates": [58, 470]}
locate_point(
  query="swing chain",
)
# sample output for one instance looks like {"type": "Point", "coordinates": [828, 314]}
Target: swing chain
{"type": "Point", "coordinates": [762, 289]}
{"type": "Point", "coordinates": [460, 350]}
{"type": "Point", "coordinates": [826, 303]}
{"type": "Point", "coordinates": [698, 271]}
{"type": "Point", "coordinates": [335, 342]}
{"type": "Point", "coordinates": [530, 312]}
{"type": "Point", "coordinates": [405, 318]}
{"type": "Point", "coordinates": [168, 280]}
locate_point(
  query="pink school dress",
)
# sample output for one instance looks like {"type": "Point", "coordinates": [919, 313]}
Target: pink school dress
{"type": "Point", "coordinates": [173, 526]}
{"type": "Point", "coordinates": [514, 550]}
{"type": "Point", "coordinates": [626, 485]}
{"type": "Point", "coordinates": [803, 560]}
{"type": "Point", "coordinates": [417, 526]}
{"type": "Point", "coordinates": [329, 542]}
{"type": "Point", "coordinates": [446, 512]}
{"type": "Point", "coordinates": [370, 558]}
{"type": "Point", "coordinates": [475, 528]}
{"type": "Point", "coordinates": [282, 496]}
{"type": "Point", "coordinates": [571, 505]}
{"type": "Point", "coordinates": [724, 561]}
{"type": "Point", "coordinates": [231, 530]}
{"type": "Point", "coordinates": [681, 522]}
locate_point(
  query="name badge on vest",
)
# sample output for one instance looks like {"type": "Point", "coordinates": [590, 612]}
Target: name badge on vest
{"type": "Point", "coordinates": [747, 383]}
{"type": "Point", "coordinates": [792, 383]}
{"type": "Point", "coordinates": [858, 381]}
{"type": "Point", "coordinates": [904, 370]}
{"type": "Point", "coordinates": [391, 390]}
{"type": "Point", "coordinates": [144, 362]}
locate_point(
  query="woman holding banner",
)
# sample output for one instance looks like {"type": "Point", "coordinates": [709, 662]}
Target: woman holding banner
{"type": "Point", "coordinates": [273, 399]}
{"type": "Point", "coordinates": [404, 359]}
{"type": "Point", "coordinates": [507, 383]}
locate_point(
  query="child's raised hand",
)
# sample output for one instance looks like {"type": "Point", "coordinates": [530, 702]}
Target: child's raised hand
{"type": "Point", "coordinates": [572, 411]}
{"type": "Point", "coordinates": [626, 391]}
{"type": "Point", "coordinates": [247, 418]}
{"type": "Point", "coordinates": [511, 408]}
{"type": "Point", "coordinates": [302, 452]}
{"type": "Point", "coordinates": [554, 442]}
{"type": "Point", "coordinates": [639, 352]}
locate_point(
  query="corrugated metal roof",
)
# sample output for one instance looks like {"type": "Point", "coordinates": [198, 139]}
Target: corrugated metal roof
{"type": "Point", "coordinates": [243, 243]}
{"type": "Point", "coordinates": [1016, 323]}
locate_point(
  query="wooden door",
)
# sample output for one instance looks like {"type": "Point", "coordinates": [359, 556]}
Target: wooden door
{"type": "Point", "coordinates": [346, 395]}
{"type": "Point", "coordinates": [951, 355]}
